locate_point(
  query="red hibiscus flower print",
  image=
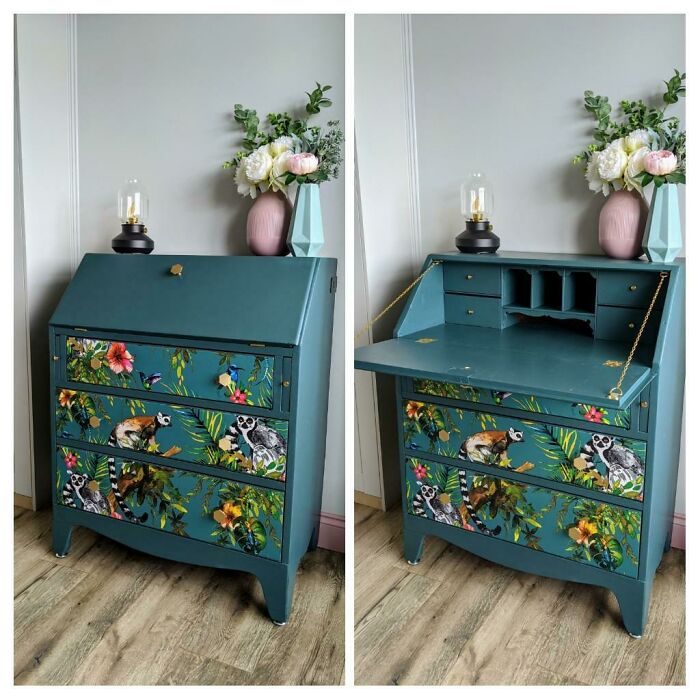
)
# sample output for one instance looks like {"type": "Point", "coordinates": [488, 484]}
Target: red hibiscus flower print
{"type": "Point", "coordinates": [116, 515]}
{"type": "Point", "coordinates": [119, 358]}
{"type": "Point", "coordinates": [593, 415]}
{"type": "Point", "coordinates": [238, 396]}
{"type": "Point", "coordinates": [420, 471]}
{"type": "Point", "coordinates": [70, 460]}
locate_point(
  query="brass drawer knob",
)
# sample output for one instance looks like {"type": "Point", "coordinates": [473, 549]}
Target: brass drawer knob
{"type": "Point", "coordinates": [633, 288]}
{"type": "Point", "coordinates": [94, 421]}
{"type": "Point", "coordinates": [285, 383]}
{"type": "Point", "coordinates": [644, 404]}
{"type": "Point", "coordinates": [95, 363]}
{"type": "Point", "coordinates": [470, 312]}
{"type": "Point", "coordinates": [469, 277]}
{"type": "Point", "coordinates": [630, 325]}
{"type": "Point", "coordinates": [176, 270]}
{"type": "Point", "coordinates": [225, 379]}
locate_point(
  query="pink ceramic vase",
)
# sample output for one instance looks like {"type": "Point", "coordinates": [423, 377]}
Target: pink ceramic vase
{"type": "Point", "coordinates": [268, 223]}
{"type": "Point", "coordinates": [621, 225]}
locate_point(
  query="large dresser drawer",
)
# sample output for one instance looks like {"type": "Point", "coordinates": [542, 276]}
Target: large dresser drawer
{"type": "Point", "coordinates": [593, 460]}
{"type": "Point", "coordinates": [242, 378]}
{"type": "Point", "coordinates": [468, 278]}
{"type": "Point", "coordinates": [233, 441]}
{"type": "Point", "coordinates": [214, 510]}
{"type": "Point", "coordinates": [620, 418]}
{"type": "Point", "coordinates": [588, 531]}
{"type": "Point", "coordinates": [626, 288]}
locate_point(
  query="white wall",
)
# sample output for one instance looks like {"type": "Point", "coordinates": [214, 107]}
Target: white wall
{"type": "Point", "coordinates": [153, 98]}
{"type": "Point", "coordinates": [502, 94]}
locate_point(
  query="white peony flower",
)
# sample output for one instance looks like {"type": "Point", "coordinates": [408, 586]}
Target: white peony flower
{"type": "Point", "coordinates": [636, 139]}
{"type": "Point", "coordinates": [612, 161]}
{"type": "Point", "coordinates": [281, 145]}
{"type": "Point", "coordinates": [635, 166]}
{"type": "Point", "coordinates": [258, 165]}
{"type": "Point", "coordinates": [280, 167]}
{"type": "Point", "coordinates": [592, 175]}
{"type": "Point", "coordinates": [245, 186]}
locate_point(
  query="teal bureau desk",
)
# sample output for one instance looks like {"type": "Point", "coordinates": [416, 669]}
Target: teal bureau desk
{"type": "Point", "coordinates": [189, 399]}
{"type": "Point", "coordinates": [518, 443]}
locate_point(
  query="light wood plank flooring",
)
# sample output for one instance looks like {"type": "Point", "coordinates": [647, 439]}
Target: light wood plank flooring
{"type": "Point", "coordinates": [107, 615]}
{"type": "Point", "coordinates": [458, 619]}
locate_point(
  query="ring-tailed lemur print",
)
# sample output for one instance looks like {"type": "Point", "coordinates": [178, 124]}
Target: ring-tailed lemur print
{"type": "Point", "coordinates": [266, 444]}
{"type": "Point", "coordinates": [489, 446]}
{"type": "Point", "coordinates": [134, 434]}
{"type": "Point", "coordinates": [621, 463]}
{"type": "Point", "coordinates": [91, 499]}
{"type": "Point", "coordinates": [442, 512]}
{"type": "Point", "coordinates": [464, 489]}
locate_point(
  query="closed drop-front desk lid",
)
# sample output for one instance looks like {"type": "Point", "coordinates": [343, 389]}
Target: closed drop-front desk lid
{"type": "Point", "coordinates": [242, 298]}
{"type": "Point", "coordinates": [560, 365]}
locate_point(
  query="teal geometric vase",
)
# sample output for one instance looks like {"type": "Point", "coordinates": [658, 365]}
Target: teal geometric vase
{"type": "Point", "coordinates": [663, 238]}
{"type": "Point", "coordinates": [305, 238]}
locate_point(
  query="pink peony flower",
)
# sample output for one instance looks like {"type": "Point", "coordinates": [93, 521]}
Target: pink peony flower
{"type": "Point", "coordinates": [302, 163]}
{"type": "Point", "coordinates": [593, 415]}
{"type": "Point", "coordinates": [660, 162]}
{"type": "Point", "coordinates": [70, 460]}
{"type": "Point", "coordinates": [119, 358]}
{"type": "Point", "coordinates": [238, 396]}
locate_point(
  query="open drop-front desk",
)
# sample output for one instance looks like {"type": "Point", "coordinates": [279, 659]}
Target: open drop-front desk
{"type": "Point", "coordinates": [511, 445]}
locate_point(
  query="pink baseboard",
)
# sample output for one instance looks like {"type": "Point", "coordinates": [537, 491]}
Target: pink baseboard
{"type": "Point", "coordinates": [678, 531]}
{"type": "Point", "coordinates": [332, 533]}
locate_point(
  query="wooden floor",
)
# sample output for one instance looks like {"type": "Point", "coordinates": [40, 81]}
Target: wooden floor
{"type": "Point", "coordinates": [458, 619]}
{"type": "Point", "coordinates": [108, 615]}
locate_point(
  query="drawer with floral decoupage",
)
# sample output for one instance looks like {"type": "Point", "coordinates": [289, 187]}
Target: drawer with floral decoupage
{"type": "Point", "coordinates": [211, 509]}
{"type": "Point", "coordinates": [585, 530]}
{"type": "Point", "coordinates": [241, 378]}
{"type": "Point", "coordinates": [619, 418]}
{"type": "Point", "coordinates": [235, 441]}
{"type": "Point", "coordinates": [599, 461]}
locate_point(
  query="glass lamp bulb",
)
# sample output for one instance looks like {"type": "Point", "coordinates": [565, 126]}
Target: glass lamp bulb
{"type": "Point", "coordinates": [132, 202]}
{"type": "Point", "coordinates": [477, 198]}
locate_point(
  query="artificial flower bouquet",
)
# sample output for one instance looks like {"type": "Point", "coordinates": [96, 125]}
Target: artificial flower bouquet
{"type": "Point", "coordinates": [288, 151]}
{"type": "Point", "coordinates": [644, 147]}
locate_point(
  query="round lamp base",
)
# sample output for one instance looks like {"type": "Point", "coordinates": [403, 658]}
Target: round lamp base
{"type": "Point", "coordinates": [477, 238]}
{"type": "Point", "coordinates": [133, 239]}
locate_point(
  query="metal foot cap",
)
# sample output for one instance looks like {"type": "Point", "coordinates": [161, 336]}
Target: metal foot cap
{"type": "Point", "coordinates": [279, 624]}
{"type": "Point", "coordinates": [635, 636]}
{"type": "Point", "coordinates": [60, 556]}
{"type": "Point", "coordinates": [413, 563]}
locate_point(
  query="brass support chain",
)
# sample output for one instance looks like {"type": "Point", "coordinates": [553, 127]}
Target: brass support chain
{"type": "Point", "coordinates": [616, 392]}
{"type": "Point", "coordinates": [367, 326]}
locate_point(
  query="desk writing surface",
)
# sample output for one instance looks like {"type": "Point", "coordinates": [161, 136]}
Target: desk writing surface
{"type": "Point", "coordinates": [557, 363]}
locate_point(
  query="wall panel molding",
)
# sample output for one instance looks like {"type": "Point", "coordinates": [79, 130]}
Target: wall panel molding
{"type": "Point", "coordinates": [411, 143]}
{"type": "Point", "coordinates": [74, 160]}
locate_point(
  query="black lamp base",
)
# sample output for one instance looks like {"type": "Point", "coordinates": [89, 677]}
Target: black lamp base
{"type": "Point", "coordinates": [133, 239]}
{"type": "Point", "coordinates": [478, 238]}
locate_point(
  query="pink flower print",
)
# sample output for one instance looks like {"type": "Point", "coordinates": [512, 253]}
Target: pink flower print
{"type": "Point", "coordinates": [594, 415]}
{"type": "Point", "coordinates": [70, 460]}
{"type": "Point", "coordinates": [238, 396]}
{"type": "Point", "coordinates": [116, 516]}
{"type": "Point", "coordinates": [469, 527]}
{"type": "Point", "coordinates": [119, 358]}
{"type": "Point", "coordinates": [420, 471]}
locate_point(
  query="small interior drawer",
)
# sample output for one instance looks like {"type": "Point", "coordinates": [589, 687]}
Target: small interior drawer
{"type": "Point", "coordinates": [473, 279]}
{"type": "Point", "coordinates": [473, 310]}
{"type": "Point", "coordinates": [626, 288]}
{"type": "Point", "coordinates": [616, 323]}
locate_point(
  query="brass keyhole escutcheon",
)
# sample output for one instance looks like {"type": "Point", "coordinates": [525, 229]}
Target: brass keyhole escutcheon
{"type": "Point", "coordinates": [95, 363]}
{"type": "Point", "coordinates": [176, 270]}
{"type": "Point", "coordinates": [470, 312]}
{"type": "Point", "coordinates": [644, 404]}
{"type": "Point", "coordinates": [633, 288]}
{"type": "Point", "coordinates": [630, 325]}
{"type": "Point", "coordinates": [94, 421]}
{"type": "Point", "coordinates": [285, 383]}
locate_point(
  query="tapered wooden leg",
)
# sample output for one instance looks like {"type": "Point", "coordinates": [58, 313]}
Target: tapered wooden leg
{"type": "Point", "coordinates": [278, 589]}
{"type": "Point", "coordinates": [62, 532]}
{"type": "Point", "coordinates": [413, 545]}
{"type": "Point", "coordinates": [633, 598]}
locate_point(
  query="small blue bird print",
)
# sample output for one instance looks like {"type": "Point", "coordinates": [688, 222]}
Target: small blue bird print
{"type": "Point", "coordinates": [233, 372]}
{"type": "Point", "coordinates": [149, 380]}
